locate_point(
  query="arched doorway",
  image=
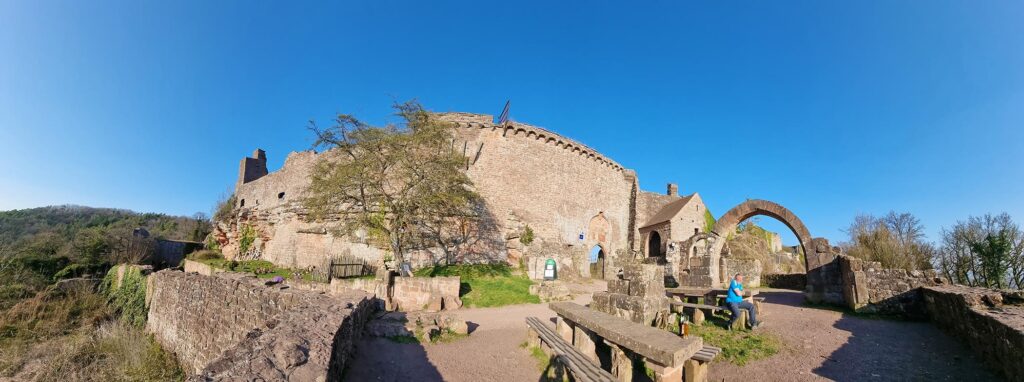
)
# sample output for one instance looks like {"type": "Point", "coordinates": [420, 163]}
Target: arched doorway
{"type": "Point", "coordinates": [654, 245]}
{"type": "Point", "coordinates": [728, 223]}
{"type": "Point", "coordinates": [597, 257]}
{"type": "Point", "coordinates": [598, 237]}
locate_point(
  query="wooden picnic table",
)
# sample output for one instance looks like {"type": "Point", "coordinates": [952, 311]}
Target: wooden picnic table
{"type": "Point", "coordinates": [710, 295]}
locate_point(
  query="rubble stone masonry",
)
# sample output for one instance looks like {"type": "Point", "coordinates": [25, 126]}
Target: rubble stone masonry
{"type": "Point", "coordinates": [991, 322]}
{"type": "Point", "coordinates": [232, 326]}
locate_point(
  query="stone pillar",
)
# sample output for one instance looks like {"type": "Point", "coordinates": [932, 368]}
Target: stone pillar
{"type": "Point", "coordinates": [695, 371]}
{"type": "Point", "coordinates": [584, 342]}
{"type": "Point", "coordinates": [622, 364]}
{"type": "Point", "coordinates": [697, 317]}
{"type": "Point", "coordinates": [741, 322]}
{"type": "Point", "coordinates": [564, 329]}
{"type": "Point", "coordinates": [665, 373]}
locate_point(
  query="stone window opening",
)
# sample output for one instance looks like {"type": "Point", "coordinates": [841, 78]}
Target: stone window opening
{"type": "Point", "coordinates": [280, 196]}
{"type": "Point", "coordinates": [242, 204]}
{"type": "Point", "coordinates": [696, 231]}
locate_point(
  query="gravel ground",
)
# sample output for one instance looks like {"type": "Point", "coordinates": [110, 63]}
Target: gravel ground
{"type": "Point", "coordinates": [819, 345]}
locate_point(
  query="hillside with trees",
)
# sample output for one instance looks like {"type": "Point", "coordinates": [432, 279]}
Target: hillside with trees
{"type": "Point", "coordinates": [55, 324]}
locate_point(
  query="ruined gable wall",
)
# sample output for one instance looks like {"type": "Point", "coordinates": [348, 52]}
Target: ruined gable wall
{"type": "Point", "coordinates": [690, 218]}
{"type": "Point", "coordinates": [283, 236]}
{"type": "Point", "coordinates": [529, 176]}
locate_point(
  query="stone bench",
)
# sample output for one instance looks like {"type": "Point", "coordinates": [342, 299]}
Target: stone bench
{"type": "Point", "coordinates": [663, 352]}
{"type": "Point", "coordinates": [581, 367]}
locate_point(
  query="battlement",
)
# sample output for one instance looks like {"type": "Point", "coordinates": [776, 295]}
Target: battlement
{"type": "Point", "coordinates": [485, 121]}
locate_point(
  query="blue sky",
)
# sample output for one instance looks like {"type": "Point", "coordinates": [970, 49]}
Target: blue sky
{"type": "Point", "coordinates": [832, 109]}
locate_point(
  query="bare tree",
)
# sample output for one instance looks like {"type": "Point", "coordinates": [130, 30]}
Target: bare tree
{"type": "Point", "coordinates": [392, 181]}
{"type": "Point", "coordinates": [895, 240]}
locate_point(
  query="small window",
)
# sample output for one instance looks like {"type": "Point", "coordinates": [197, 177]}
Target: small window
{"type": "Point", "coordinates": [280, 196]}
{"type": "Point", "coordinates": [696, 231]}
{"type": "Point", "coordinates": [242, 204]}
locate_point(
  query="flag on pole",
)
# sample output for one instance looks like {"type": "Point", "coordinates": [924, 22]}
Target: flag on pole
{"type": "Point", "coordinates": [504, 113]}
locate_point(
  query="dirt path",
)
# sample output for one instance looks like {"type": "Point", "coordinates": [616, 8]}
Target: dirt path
{"type": "Point", "coordinates": [823, 344]}
{"type": "Point", "coordinates": [490, 353]}
{"type": "Point", "coordinates": [820, 345]}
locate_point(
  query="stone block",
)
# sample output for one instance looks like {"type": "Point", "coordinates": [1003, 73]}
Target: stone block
{"type": "Point", "coordinates": [564, 329]}
{"type": "Point", "coordinates": [583, 340]}
{"type": "Point", "coordinates": [665, 373]}
{"type": "Point", "coordinates": [695, 371]}
{"type": "Point", "coordinates": [618, 286]}
{"type": "Point", "coordinates": [621, 363]}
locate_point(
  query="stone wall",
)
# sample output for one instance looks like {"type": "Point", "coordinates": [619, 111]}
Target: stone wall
{"type": "Point", "coordinates": [639, 296]}
{"type": "Point", "coordinates": [751, 270]}
{"type": "Point", "coordinates": [431, 294]}
{"type": "Point", "coordinates": [530, 176]}
{"type": "Point", "coordinates": [989, 321]}
{"type": "Point", "coordinates": [796, 281]}
{"type": "Point", "coordinates": [571, 196]}
{"type": "Point", "coordinates": [867, 287]}
{"type": "Point", "coordinates": [232, 326]}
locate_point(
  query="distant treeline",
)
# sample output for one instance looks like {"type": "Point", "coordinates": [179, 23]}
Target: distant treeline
{"type": "Point", "coordinates": [39, 246]}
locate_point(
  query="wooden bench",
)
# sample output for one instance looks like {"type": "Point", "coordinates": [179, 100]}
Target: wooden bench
{"type": "Point", "coordinates": [663, 352]}
{"type": "Point", "coordinates": [697, 311]}
{"type": "Point", "coordinates": [581, 367]}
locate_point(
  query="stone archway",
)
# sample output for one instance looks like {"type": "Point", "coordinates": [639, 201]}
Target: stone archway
{"type": "Point", "coordinates": [728, 222]}
{"type": "Point", "coordinates": [598, 231]}
{"type": "Point", "coordinates": [596, 257]}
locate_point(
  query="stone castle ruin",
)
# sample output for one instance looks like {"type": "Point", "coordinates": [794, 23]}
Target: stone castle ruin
{"type": "Point", "coordinates": [574, 200]}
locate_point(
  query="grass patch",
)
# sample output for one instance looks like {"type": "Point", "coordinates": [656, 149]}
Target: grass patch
{"type": "Point", "coordinates": [261, 268]}
{"type": "Point", "coordinates": [497, 291]}
{"type": "Point", "coordinates": [447, 336]}
{"type": "Point", "coordinates": [486, 285]}
{"type": "Point", "coordinates": [129, 299]}
{"type": "Point", "coordinates": [543, 361]}
{"type": "Point", "coordinates": [404, 339]}
{"type": "Point", "coordinates": [70, 335]}
{"type": "Point", "coordinates": [738, 346]}
{"type": "Point", "coordinates": [466, 271]}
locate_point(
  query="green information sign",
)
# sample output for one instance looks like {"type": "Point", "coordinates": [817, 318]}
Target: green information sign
{"type": "Point", "coordinates": [550, 271]}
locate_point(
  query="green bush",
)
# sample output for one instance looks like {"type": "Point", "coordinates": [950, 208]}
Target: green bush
{"type": "Point", "coordinates": [527, 236]}
{"type": "Point", "coordinates": [206, 254]}
{"type": "Point", "coordinates": [129, 298]}
{"type": "Point", "coordinates": [248, 236]}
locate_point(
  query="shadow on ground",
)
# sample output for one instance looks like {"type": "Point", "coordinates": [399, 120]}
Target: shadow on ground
{"type": "Point", "coordinates": [881, 348]}
{"type": "Point", "coordinates": [382, 359]}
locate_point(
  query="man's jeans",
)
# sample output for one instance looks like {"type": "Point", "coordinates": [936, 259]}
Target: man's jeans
{"type": "Point", "coordinates": [735, 307]}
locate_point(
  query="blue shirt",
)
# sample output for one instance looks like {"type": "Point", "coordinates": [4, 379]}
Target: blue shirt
{"type": "Point", "coordinates": [733, 297]}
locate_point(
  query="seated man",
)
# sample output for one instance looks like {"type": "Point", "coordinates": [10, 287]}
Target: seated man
{"type": "Point", "coordinates": [734, 301]}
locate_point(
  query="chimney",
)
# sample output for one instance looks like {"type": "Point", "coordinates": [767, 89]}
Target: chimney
{"type": "Point", "coordinates": [673, 190]}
